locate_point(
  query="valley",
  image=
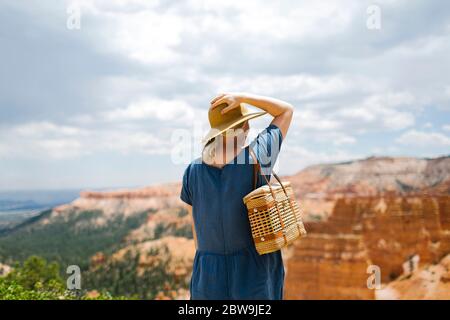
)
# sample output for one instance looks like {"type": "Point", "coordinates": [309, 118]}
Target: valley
{"type": "Point", "coordinates": [375, 211]}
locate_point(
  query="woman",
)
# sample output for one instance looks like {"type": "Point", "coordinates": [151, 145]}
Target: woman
{"type": "Point", "coordinates": [226, 264]}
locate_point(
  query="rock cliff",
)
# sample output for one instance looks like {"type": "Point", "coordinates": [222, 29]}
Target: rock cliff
{"type": "Point", "coordinates": [320, 185]}
{"type": "Point", "coordinates": [393, 213]}
{"type": "Point", "coordinates": [126, 202]}
{"type": "Point", "coordinates": [4, 269]}
{"type": "Point", "coordinates": [429, 282]}
{"type": "Point", "coordinates": [386, 231]}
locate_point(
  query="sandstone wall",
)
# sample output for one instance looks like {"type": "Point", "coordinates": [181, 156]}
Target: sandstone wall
{"type": "Point", "coordinates": [126, 202]}
{"type": "Point", "coordinates": [430, 282]}
{"type": "Point", "coordinates": [331, 262]}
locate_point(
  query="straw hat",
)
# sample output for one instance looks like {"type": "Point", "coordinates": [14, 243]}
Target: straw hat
{"type": "Point", "coordinates": [222, 122]}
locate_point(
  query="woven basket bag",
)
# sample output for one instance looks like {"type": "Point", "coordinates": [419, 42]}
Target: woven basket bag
{"type": "Point", "coordinates": [274, 214]}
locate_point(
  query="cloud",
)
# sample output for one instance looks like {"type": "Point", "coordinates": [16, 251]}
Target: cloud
{"type": "Point", "coordinates": [136, 142]}
{"type": "Point", "coordinates": [315, 120]}
{"type": "Point", "coordinates": [57, 148]}
{"type": "Point", "coordinates": [424, 139]}
{"type": "Point", "coordinates": [146, 36]}
{"type": "Point", "coordinates": [43, 140]}
{"type": "Point", "coordinates": [156, 109]}
{"type": "Point", "coordinates": [153, 32]}
{"type": "Point", "coordinates": [381, 111]}
{"type": "Point", "coordinates": [297, 156]}
{"type": "Point", "coordinates": [297, 87]}
{"type": "Point", "coordinates": [52, 141]}
{"type": "Point", "coordinates": [44, 128]}
{"type": "Point", "coordinates": [137, 70]}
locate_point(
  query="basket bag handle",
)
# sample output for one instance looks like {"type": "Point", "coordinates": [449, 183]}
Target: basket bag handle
{"type": "Point", "coordinates": [256, 169]}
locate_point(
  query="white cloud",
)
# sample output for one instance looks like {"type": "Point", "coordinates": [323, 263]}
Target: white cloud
{"type": "Point", "coordinates": [313, 120]}
{"type": "Point", "coordinates": [147, 36]}
{"type": "Point", "coordinates": [293, 158]}
{"type": "Point", "coordinates": [424, 139]}
{"type": "Point", "coordinates": [57, 148]}
{"type": "Point", "coordinates": [380, 111]}
{"type": "Point", "coordinates": [156, 109]}
{"type": "Point", "coordinates": [43, 140]}
{"type": "Point", "coordinates": [447, 91]}
{"type": "Point", "coordinates": [344, 139]}
{"type": "Point", "coordinates": [151, 32]}
{"type": "Point", "coordinates": [297, 87]}
{"type": "Point", "coordinates": [136, 142]}
{"type": "Point", "coordinates": [49, 140]}
{"type": "Point", "coordinates": [140, 68]}
{"type": "Point", "coordinates": [44, 128]}
{"type": "Point", "coordinates": [421, 47]}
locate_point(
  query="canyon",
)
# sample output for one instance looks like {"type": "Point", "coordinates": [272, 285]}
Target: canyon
{"type": "Point", "coordinates": [376, 211]}
{"type": "Point", "coordinates": [389, 213]}
{"type": "Point", "coordinates": [397, 234]}
{"type": "Point", "coordinates": [392, 213]}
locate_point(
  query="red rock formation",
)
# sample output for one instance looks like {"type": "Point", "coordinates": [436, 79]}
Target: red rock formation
{"type": "Point", "coordinates": [4, 269]}
{"type": "Point", "coordinates": [98, 259]}
{"type": "Point", "coordinates": [168, 219]}
{"type": "Point", "coordinates": [369, 177]}
{"type": "Point", "coordinates": [372, 211]}
{"type": "Point", "coordinates": [429, 282]}
{"type": "Point", "coordinates": [180, 251]}
{"type": "Point", "coordinates": [363, 177]}
{"type": "Point", "coordinates": [331, 262]}
{"type": "Point", "coordinates": [148, 192]}
{"type": "Point", "coordinates": [126, 202]}
{"type": "Point", "coordinates": [328, 266]}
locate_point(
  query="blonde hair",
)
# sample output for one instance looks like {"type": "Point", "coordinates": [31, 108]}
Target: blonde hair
{"type": "Point", "coordinates": [211, 149]}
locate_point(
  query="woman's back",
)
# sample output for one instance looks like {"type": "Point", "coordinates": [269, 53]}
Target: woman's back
{"type": "Point", "coordinates": [227, 265]}
{"type": "Point", "coordinates": [220, 217]}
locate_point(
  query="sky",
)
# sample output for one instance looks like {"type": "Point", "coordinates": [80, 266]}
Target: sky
{"type": "Point", "coordinates": [104, 93]}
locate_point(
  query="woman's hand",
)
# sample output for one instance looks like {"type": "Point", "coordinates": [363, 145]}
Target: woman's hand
{"type": "Point", "coordinates": [233, 100]}
{"type": "Point", "coordinates": [280, 110]}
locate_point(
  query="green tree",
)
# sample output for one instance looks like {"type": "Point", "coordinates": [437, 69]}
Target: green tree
{"type": "Point", "coordinates": [37, 273]}
{"type": "Point", "coordinates": [36, 279]}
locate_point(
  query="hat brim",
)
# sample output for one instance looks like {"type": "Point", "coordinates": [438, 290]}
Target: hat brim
{"type": "Point", "coordinates": [214, 132]}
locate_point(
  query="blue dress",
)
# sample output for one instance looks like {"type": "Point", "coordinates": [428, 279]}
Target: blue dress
{"type": "Point", "coordinates": [226, 264]}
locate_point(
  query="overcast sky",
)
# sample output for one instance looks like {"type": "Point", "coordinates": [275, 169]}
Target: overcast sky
{"type": "Point", "coordinates": [97, 106]}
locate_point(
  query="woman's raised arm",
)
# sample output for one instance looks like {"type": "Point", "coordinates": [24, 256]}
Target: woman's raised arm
{"type": "Point", "coordinates": [280, 110]}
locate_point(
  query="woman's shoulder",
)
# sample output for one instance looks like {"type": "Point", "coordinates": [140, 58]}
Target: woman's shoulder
{"type": "Point", "coordinates": [194, 165]}
{"type": "Point", "coordinates": [196, 162]}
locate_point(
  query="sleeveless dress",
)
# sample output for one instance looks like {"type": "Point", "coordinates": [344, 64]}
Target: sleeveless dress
{"type": "Point", "coordinates": [226, 264]}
